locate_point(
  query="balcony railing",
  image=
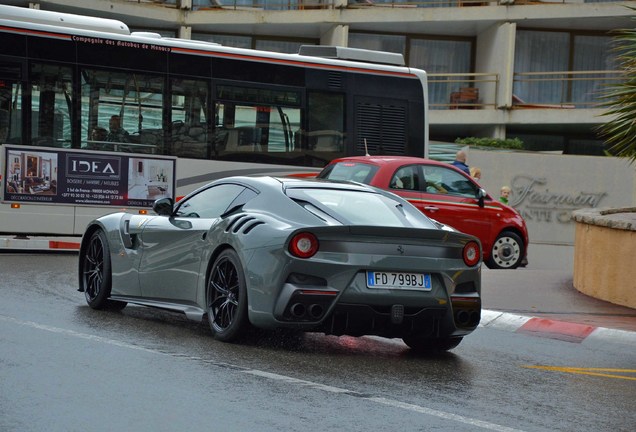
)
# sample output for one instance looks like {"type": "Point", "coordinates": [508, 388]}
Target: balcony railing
{"type": "Point", "coordinates": [559, 89]}
{"type": "Point", "coordinates": [463, 90]}
{"type": "Point", "coordinates": [566, 89]}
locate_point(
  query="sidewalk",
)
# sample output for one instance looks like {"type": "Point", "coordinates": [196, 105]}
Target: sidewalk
{"type": "Point", "coordinates": [545, 303]}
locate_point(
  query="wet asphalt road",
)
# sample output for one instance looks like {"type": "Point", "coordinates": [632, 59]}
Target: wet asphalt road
{"type": "Point", "coordinates": [65, 367]}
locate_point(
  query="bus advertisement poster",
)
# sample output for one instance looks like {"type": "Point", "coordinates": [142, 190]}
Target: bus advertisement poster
{"type": "Point", "coordinates": [80, 177]}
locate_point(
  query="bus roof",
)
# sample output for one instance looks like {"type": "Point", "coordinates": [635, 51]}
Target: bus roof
{"type": "Point", "coordinates": [355, 54]}
{"type": "Point", "coordinates": [103, 27]}
{"type": "Point", "coordinates": [36, 16]}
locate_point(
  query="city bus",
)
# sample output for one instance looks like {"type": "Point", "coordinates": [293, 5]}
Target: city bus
{"type": "Point", "coordinates": [95, 118]}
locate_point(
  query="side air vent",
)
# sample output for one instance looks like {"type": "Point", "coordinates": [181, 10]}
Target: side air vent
{"type": "Point", "coordinates": [250, 226]}
{"type": "Point", "coordinates": [335, 80]}
{"type": "Point", "coordinates": [233, 222]}
{"type": "Point", "coordinates": [383, 126]}
{"type": "Point", "coordinates": [243, 222]}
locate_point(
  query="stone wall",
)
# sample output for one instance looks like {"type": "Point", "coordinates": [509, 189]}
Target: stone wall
{"type": "Point", "coordinates": [604, 251]}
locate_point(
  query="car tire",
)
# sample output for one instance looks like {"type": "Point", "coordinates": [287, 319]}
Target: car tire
{"type": "Point", "coordinates": [95, 271]}
{"type": "Point", "coordinates": [227, 297]}
{"type": "Point", "coordinates": [506, 252]}
{"type": "Point", "coordinates": [431, 345]}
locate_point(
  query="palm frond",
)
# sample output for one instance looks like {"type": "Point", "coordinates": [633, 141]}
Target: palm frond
{"type": "Point", "coordinates": [620, 99]}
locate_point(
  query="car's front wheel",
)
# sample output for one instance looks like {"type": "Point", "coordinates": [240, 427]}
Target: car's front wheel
{"type": "Point", "coordinates": [96, 273]}
{"type": "Point", "coordinates": [506, 252]}
{"type": "Point", "coordinates": [431, 345]}
{"type": "Point", "coordinates": [227, 297]}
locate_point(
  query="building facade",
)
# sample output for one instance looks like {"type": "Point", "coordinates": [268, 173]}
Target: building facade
{"type": "Point", "coordinates": [528, 69]}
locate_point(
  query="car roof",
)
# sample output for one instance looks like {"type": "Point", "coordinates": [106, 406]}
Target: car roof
{"type": "Point", "coordinates": [321, 183]}
{"type": "Point", "coordinates": [298, 182]}
{"type": "Point", "coordinates": [388, 160]}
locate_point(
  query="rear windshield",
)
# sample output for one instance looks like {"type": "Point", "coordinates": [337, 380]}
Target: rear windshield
{"type": "Point", "coordinates": [349, 171]}
{"type": "Point", "coordinates": [360, 208]}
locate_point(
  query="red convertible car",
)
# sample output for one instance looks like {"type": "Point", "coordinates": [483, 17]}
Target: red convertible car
{"type": "Point", "coordinates": [446, 194]}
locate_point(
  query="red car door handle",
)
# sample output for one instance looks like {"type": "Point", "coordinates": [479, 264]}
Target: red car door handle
{"type": "Point", "coordinates": [431, 208]}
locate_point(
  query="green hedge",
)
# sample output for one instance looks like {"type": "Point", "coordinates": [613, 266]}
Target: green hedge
{"type": "Point", "coordinates": [510, 143]}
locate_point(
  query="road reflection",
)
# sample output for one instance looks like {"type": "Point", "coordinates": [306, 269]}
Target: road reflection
{"type": "Point", "coordinates": [377, 363]}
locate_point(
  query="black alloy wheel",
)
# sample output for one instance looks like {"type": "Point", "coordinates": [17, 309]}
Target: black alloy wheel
{"type": "Point", "coordinates": [96, 273]}
{"type": "Point", "coordinates": [227, 297]}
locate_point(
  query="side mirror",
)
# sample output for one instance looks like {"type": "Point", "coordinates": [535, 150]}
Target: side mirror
{"type": "Point", "coordinates": [481, 194]}
{"type": "Point", "coordinates": [163, 206]}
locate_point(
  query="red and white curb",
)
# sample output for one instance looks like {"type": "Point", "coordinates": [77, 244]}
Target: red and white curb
{"type": "Point", "coordinates": [62, 244]}
{"type": "Point", "coordinates": [553, 329]}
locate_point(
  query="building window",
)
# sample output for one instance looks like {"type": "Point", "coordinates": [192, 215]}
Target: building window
{"type": "Point", "coordinates": [553, 67]}
{"type": "Point", "coordinates": [592, 53]}
{"type": "Point", "coordinates": [539, 51]}
{"type": "Point", "coordinates": [432, 55]}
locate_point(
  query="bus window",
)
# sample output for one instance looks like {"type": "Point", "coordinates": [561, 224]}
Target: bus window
{"type": "Point", "coordinates": [264, 129]}
{"type": "Point", "coordinates": [51, 100]}
{"type": "Point", "coordinates": [242, 130]}
{"type": "Point", "coordinates": [189, 132]}
{"type": "Point", "coordinates": [282, 125]}
{"type": "Point", "coordinates": [256, 120]}
{"type": "Point", "coordinates": [10, 106]}
{"type": "Point", "coordinates": [136, 98]}
{"type": "Point", "coordinates": [325, 127]}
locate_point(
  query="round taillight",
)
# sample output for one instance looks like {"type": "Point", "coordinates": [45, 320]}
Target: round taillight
{"type": "Point", "coordinates": [303, 245]}
{"type": "Point", "coordinates": [471, 253]}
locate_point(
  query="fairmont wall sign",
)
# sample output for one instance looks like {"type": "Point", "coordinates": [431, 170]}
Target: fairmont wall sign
{"type": "Point", "coordinates": [532, 197]}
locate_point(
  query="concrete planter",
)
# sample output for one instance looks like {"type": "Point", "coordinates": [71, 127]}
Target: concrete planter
{"type": "Point", "coordinates": [605, 254]}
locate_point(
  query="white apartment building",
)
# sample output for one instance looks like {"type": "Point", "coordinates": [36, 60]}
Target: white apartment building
{"type": "Point", "coordinates": [532, 69]}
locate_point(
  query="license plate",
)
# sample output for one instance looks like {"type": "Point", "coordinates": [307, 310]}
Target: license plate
{"type": "Point", "coordinates": [414, 281]}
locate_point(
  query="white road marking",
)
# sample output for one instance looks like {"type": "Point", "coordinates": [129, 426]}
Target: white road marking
{"type": "Point", "coordinates": [272, 376]}
{"type": "Point", "coordinates": [443, 415]}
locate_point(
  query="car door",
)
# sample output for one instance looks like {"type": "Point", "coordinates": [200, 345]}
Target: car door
{"type": "Point", "coordinates": [405, 182]}
{"type": "Point", "coordinates": [452, 198]}
{"type": "Point", "coordinates": [173, 246]}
